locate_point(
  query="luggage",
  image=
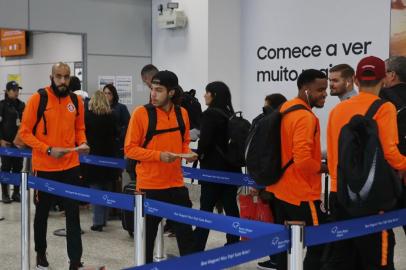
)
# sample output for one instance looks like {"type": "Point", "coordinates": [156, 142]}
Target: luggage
{"type": "Point", "coordinates": [127, 217]}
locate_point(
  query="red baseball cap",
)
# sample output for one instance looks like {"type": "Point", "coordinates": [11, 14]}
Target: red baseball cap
{"type": "Point", "coordinates": [371, 68]}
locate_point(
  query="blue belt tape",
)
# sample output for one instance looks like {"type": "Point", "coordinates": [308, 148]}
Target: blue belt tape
{"type": "Point", "coordinates": [14, 152]}
{"type": "Point", "coordinates": [213, 176]}
{"type": "Point", "coordinates": [336, 231]}
{"type": "Point", "coordinates": [224, 257]}
{"type": "Point", "coordinates": [109, 199]}
{"type": "Point", "coordinates": [220, 177]}
{"type": "Point", "coordinates": [232, 225]}
{"type": "Point", "coordinates": [103, 161]}
{"type": "Point", "coordinates": [10, 178]}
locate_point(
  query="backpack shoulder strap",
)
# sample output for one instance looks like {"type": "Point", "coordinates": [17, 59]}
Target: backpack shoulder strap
{"type": "Point", "coordinates": [179, 118]}
{"type": "Point", "coordinates": [295, 108]}
{"type": "Point", "coordinates": [374, 108]}
{"type": "Point", "coordinates": [75, 102]}
{"type": "Point", "coordinates": [152, 120]}
{"type": "Point", "coordinates": [43, 101]}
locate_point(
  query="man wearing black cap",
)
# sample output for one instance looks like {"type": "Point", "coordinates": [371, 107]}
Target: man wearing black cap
{"type": "Point", "coordinates": [159, 172]}
{"type": "Point", "coordinates": [11, 111]}
{"type": "Point", "coordinates": [373, 251]}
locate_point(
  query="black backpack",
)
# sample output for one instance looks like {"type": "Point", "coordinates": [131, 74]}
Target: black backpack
{"type": "Point", "coordinates": [193, 108]}
{"type": "Point", "coordinates": [152, 121]}
{"type": "Point", "coordinates": [237, 133]}
{"type": "Point", "coordinates": [263, 148]}
{"type": "Point", "coordinates": [43, 101]}
{"type": "Point", "coordinates": [401, 119]}
{"type": "Point", "coordinates": [366, 184]}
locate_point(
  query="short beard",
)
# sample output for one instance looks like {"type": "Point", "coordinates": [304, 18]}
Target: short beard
{"type": "Point", "coordinates": [58, 90]}
{"type": "Point", "coordinates": [337, 93]}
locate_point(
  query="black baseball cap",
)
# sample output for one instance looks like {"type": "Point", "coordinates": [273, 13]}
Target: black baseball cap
{"type": "Point", "coordinates": [165, 78]}
{"type": "Point", "coordinates": [13, 85]}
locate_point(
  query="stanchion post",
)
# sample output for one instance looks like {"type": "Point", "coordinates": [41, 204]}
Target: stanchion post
{"type": "Point", "coordinates": [25, 216]}
{"type": "Point", "coordinates": [295, 254]}
{"type": "Point", "coordinates": [159, 243]}
{"type": "Point", "coordinates": [139, 229]}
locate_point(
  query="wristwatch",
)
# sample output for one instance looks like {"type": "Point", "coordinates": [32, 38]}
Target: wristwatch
{"type": "Point", "coordinates": [49, 151]}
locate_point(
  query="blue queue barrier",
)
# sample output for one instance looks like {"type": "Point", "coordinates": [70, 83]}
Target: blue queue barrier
{"type": "Point", "coordinates": [228, 256]}
{"type": "Point", "coordinates": [232, 225]}
{"type": "Point", "coordinates": [222, 257]}
{"type": "Point", "coordinates": [213, 176]}
{"type": "Point", "coordinates": [10, 178]}
{"type": "Point", "coordinates": [109, 199]}
{"type": "Point", "coordinates": [335, 231]}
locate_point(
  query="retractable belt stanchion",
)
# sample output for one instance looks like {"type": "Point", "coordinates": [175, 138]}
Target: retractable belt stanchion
{"type": "Point", "coordinates": [139, 229]}
{"type": "Point", "coordinates": [295, 254]}
{"type": "Point", "coordinates": [160, 246]}
{"type": "Point", "coordinates": [25, 216]}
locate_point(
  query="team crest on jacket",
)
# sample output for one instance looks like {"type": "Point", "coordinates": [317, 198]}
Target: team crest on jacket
{"type": "Point", "coordinates": [71, 107]}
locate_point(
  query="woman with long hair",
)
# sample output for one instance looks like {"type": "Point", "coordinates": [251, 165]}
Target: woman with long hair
{"type": "Point", "coordinates": [211, 146]}
{"type": "Point", "coordinates": [121, 114]}
{"type": "Point", "coordinates": [100, 133]}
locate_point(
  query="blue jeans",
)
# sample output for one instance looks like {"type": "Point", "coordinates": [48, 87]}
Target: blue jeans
{"type": "Point", "coordinates": [100, 213]}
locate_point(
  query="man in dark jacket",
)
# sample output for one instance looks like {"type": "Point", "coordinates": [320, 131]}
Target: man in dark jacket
{"type": "Point", "coordinates": [395, 92]}
{"type": "Point", "coordinates": [11, 111]}
{"type": "Point", "coordinates": [395, 80]}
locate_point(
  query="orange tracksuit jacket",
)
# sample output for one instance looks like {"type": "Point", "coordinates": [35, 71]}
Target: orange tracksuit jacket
{"type": "Point", "coordinates": [300, 139]}
{"type": "Point", "coordinates": [385, 118]}
{"type": "Point", "coordinates": [152, 173]}
{"type": "Point", "coordinates": [64, 129]}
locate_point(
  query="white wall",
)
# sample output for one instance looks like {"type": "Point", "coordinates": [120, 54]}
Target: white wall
{"type": "Point", "coordinates": [224, 41]}
{"type": "Point", "coordinates": [184, 51]}
{"type": "Point", "coordinates": [226, 49]}
{"type": "Point", "coordinates": [44, 50]}
{"type": "Point", "coordinates": [208, 49]}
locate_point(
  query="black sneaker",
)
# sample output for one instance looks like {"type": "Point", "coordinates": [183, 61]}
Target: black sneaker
{"type": "Point", "coordinates": [267, 265]}
{"type": "Point", "coordinates": [16, 197]}
{"type": "Point", "coordinates": [6, 198]}
{"type": "Point", "coordinates": [75, 265]}
{"type": "Point", "coordinates": [42, 262]}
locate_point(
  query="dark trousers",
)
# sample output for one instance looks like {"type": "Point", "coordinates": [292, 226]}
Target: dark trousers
{"type": "Point", "coordinates": [310, 213]}
{"type": "Point", "coordinates": [43, 202]}
{"type": "Point", "coordinates": [184, 232]}
{"type": "Point", "coordinates": [11, 164]}
{"type": "Point", "coordinates": [210, 194]}
{"type": "Point", "coordinates": [369, 252]}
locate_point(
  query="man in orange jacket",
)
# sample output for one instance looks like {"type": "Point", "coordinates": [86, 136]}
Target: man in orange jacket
{"type": "Point", "coordinates": [159, 172]}
{"type": "Point", "coordinates": [297, 193]}
{"type": "Point", "coordinates": [55, 157]}
{"type": "Point", "coordinates": [374, 251]}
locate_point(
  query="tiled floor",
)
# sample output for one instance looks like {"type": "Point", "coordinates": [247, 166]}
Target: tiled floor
{"type": "Point", "coordinates": [113, 247]}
